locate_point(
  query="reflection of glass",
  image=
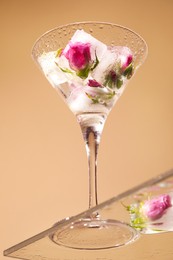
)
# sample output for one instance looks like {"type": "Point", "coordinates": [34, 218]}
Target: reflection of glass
{"type": "Point", "coordinates": [91, 72]}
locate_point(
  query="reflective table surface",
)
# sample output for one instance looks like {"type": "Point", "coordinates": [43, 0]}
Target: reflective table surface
{"type": "Point", "coordinates": [155, 235]}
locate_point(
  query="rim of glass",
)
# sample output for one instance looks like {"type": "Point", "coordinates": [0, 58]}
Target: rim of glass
{"type": "Point", "coordinates": [91, 22]}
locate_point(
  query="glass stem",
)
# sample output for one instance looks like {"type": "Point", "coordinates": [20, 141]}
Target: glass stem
{"type": "Point", "coordinates": [92, 144]}
{"type": "Point", "coordinates": [92, 126]}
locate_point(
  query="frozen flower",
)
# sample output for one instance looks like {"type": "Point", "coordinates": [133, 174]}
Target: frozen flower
{"type": "Point", "coordinates": [101, 70]}
{"type": "Point", "coordinates": [155, 208]}
{"type": "Point", "coordinates": [127, 61]}
{"type": "Point", "coordinates": [96, 46]}
{"type": "Point", "coordinates": [83, 54]}
{"type": "Point", "coordinates": [124, 54]}
{"type": "Point", "coordinates": [105, 67]}
{"type": "Point", "coordinates": [111, 79]}
{"type": "Point", "coordinates": [78, 55]}
{"type": "Point", "coordinates": [94, 83]}
{"type": "Point", "coordinates": [154, 215]}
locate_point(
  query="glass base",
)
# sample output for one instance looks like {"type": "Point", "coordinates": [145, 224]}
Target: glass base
{"type": "Point", "coordinates": [95, 234]}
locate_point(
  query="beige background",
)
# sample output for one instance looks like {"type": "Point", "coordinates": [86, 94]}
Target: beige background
{"type": "Point", "coordinates": [43, 166]}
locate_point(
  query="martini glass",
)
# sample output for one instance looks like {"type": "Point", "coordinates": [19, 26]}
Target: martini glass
{"type": "Point", "coordinates": [89, 64]}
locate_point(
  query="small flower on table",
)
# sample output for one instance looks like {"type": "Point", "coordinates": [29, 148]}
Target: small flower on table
{"type": "Point", "coordinates": [154, 214]}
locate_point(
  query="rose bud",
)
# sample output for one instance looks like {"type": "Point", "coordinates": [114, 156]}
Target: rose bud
{"type": "Point", "coordinates": [155, 208]}
{"type": "Point", "coordinates": [93, 83]}
{"type": "Point", "coordinates": [129, 60]}
{"type": "Point", "coordinates": [78, 55]}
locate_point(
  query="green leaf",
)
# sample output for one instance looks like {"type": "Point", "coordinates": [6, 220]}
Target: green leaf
{"type": "Point", "coordinates": [119, 83]}
{"type": "Point", "coordinates": [58, 53]}
{"type": "Point", "coordinates": [128, 71]}
{"type": "Point", "coordinates": [94, 99]}
{"type": "Point", "coordinates": [111, 95]}
{"type": "Point", "coordinates": [83, 74]}
{"type": "Point", "coordinates": [95, 63]}
{"type": "Point", "coordinates": [66, 70]}
{"type": "Point", "coordinates": [108, 82]}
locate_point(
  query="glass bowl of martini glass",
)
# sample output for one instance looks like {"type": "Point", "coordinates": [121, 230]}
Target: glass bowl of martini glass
{"type": "Point", "coordinates": [89, 64]}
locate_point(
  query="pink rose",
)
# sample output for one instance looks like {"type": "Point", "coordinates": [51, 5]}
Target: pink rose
{"type": "Point", "coordinates": [127, 62]}
{"type": "Point", "coordinates": [155, 208]}
{"type": "Point", "coordinates": [78, 55]}
{"type": "Point", "coordinates": [93, 83]}
{"type": "Point", "coordinates": [127, 66]}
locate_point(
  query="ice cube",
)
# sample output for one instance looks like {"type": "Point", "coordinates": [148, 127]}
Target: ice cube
{"type": "Point", "coordinates": [97, 47]}
{"type": "Point", "coordinates": [52, 72]}
{"type": "Point", "coordinates": [122, 52]}
{"type": "Point", "coordinates": [105, 65]}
